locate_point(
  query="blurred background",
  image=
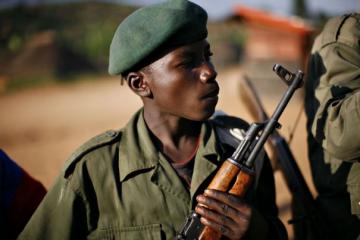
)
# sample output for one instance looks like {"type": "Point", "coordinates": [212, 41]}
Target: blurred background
{"type": "Point", "coordinates": [55, 92]}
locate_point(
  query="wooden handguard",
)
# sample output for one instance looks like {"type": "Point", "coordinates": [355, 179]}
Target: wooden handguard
{"type": "Point", "coordinates": [222, 180]}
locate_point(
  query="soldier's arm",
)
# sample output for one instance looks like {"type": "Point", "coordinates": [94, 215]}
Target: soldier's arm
{"type": "Point", "coordinates": [337, 121]}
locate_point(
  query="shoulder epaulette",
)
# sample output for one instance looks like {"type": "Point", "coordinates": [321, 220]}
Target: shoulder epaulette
{"type": "Point", "coordinates": [94, 143]}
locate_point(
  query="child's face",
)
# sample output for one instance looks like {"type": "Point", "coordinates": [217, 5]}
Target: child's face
{"type": "Point", "coordinates": [183, 82]}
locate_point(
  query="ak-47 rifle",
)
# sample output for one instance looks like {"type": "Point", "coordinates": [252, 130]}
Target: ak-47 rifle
{"type": "Point", "coordinates": [239, 167]}
{"type": "Point", "coordinates": [307, 221]}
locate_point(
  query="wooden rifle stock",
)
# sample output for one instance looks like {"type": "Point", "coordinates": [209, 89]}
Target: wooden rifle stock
{"type": "Point", "coordinates": [236, 173]}
{"type": "Point", "coordinates": [221, 182]}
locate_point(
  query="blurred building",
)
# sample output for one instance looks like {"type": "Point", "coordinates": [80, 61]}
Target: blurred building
{"type": "Point", "coordinates": [272, 39]}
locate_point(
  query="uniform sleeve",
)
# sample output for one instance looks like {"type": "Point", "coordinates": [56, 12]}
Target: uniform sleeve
{"type": "Point", "coordinates": [265, 223]}
{"type": "Point", "coordinates": [61, 215]}
{"type": "Point", "coordinates": [338, 117]}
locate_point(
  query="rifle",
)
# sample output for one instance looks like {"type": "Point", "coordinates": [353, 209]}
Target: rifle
{"type": "Point", "coordinates": [239, 167]}
{"type": "Point", "coordinates": [306, 219]}
{"type": "Point", "coordinates": [249, 96]}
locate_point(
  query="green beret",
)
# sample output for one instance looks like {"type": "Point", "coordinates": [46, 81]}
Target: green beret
{"type": "Point", "coordinates": [171, 23]}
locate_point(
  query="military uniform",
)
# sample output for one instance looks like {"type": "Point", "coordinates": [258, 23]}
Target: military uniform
{"type": "Point", "coordinates": [332, 105]}
{"type": "Point", "coordinates": [118, 186]}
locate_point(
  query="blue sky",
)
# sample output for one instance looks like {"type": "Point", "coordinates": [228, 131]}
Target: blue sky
{"type": "Point", "coordinates": [220, 8]}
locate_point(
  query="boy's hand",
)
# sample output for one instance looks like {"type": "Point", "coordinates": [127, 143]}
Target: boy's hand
{"type": "Point", "coordinates": [223, 212]}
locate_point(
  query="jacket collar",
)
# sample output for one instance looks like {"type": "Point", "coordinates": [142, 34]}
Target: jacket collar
{"type": "Point", "coordinates": [207, 158]}
{"type": "Point", "coordinates": [137, 152]}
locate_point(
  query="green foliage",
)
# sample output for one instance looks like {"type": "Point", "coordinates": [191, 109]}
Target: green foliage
{"type": "Point", "coordinates": [92, 41]}
{"type": "Point", "coordinates": [80, 38]}
{"type": "Point", "coordinates": [18, 24]}
{"type": "Point", "coordinates": [85, 28]}
{"type": "Point", "coordinates": [14, 43]}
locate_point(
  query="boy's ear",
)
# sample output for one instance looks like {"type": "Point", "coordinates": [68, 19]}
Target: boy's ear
{"type": "Point", "coordinates": [137, 84]}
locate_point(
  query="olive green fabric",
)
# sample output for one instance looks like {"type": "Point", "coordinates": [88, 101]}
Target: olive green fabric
{"type": "Point", "coordinates": [171, 23]}
{"type": "Point", "coordinates": [118, 186]}
{"type": "Point", "coordinates": [332, 103]}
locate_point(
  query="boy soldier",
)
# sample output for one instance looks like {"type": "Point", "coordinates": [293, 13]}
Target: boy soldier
{"type": "Point", "coordinates": [332, 105]}
{"type": "Point", "coordinates": [142, 181]}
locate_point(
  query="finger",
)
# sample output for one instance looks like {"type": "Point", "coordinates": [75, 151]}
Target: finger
{"type": "Point", "coordinates": [238, 211]}
{"type": "Point", "coordinates": [217, 222]}
{"type": "Point", "coordinates": [213, 216]}
{"type": "Point", "coordinates": [229, 199]}
{"type": "Point", "coordinates": [224, 230]}
{"type": "Point", "coordinates": [217, 227]}
{"type": "Point", "coordinates": [216, 206]}
{"type": "Point", "coordinates": [231, 227]}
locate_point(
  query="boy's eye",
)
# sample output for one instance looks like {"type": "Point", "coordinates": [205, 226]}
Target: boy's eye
{"type": "Point", "coordinates": [193, 60]}
{"type": "Point", "coordinates": [188, 62]}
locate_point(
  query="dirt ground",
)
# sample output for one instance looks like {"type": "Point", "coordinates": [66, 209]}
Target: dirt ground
{"type": "Point", "coordinates": [40, 128]}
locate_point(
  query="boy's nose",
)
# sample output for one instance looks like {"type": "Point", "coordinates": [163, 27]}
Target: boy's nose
{"type": "Point", "coordinates": [207, 73]}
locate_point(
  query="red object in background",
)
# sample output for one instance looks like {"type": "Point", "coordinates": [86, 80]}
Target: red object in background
{"type": "Point", "coordinates": [20, 195]}
{"type": "Point", "coordinates": [275, 37]}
